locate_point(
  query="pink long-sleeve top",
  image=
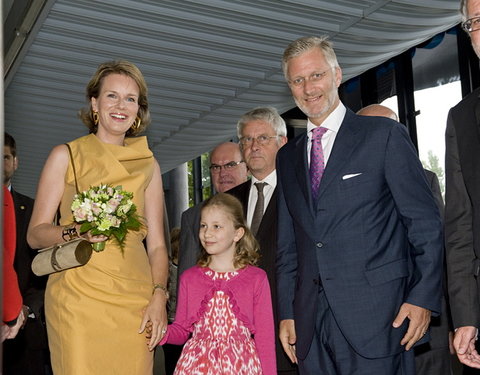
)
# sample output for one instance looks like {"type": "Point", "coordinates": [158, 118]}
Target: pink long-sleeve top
{"type": "Point", "coordinates": [249, 295]}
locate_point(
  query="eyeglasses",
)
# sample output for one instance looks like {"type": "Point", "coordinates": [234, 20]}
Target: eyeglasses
{"type": "Point", "coordinates": [314, 77]}
{"type": "Point", "coordinates": [216, 168]}
{"type": "Point", "coordinates": [261, 140]}
{"type": "Point", "coordinates": [472, 24]}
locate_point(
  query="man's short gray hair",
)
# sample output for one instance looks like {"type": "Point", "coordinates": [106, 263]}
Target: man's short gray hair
{"type": "Point", "coordinates": [463, 9]}
{"type": "Point", "coordinates": [305, 44]}
{"type": "Point", "coordinates": [267, 114]}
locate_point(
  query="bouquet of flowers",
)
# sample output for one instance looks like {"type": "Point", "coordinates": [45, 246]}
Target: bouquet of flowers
{"type": "Point", "coordinates": [106, 210]}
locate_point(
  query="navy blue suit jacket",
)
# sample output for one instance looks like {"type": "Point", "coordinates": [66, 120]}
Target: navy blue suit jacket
{"type": "Point", "coordinates": [374, 213]}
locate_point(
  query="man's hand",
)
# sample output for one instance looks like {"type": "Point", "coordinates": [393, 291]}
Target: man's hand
{"type": "Point", "coordinates": [4, 332]}
{"type": "Point", "coordinates": [419, 321]}
{"type": "Point", "coordinates": [464, 344]}
{"type": "Point", "coordinates": [288, 338]}
{"type": "Point", "coordinates": [26, 312]}
{"type": "Point", "coordinates": [11, 332]}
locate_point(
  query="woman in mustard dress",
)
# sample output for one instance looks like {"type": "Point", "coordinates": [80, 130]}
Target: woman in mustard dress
{"type": "Point", "coordinates": [96, 314]}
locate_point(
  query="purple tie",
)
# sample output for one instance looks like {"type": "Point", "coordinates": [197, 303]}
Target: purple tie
{"type": "Point", "coordinates": [317, 161]}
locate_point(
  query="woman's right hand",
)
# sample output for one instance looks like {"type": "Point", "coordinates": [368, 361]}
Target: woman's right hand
{"type": "Point", "coordinates": [91, 237]}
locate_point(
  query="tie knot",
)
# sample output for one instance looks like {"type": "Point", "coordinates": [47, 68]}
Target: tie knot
{"type": "Point", "coordinates": [318, 132]}
{"type": "Point", "coordinates": [260, 186]}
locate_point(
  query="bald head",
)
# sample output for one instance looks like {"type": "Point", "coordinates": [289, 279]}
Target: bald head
{"type": "Point", "coordinates": [378, 110]}
{"type": "Point", "coordinates": [226, 178]}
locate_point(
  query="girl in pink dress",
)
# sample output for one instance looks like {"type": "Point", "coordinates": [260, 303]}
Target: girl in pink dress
{"type": "Point", "coordinates": [224, 311]}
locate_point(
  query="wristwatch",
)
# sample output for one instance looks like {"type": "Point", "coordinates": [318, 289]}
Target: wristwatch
{"type": "Point", "coordinates": [162, 287]}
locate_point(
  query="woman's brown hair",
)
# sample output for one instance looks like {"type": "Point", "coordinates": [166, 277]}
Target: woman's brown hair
{"type": "Point", "coordinates": [95, 85]}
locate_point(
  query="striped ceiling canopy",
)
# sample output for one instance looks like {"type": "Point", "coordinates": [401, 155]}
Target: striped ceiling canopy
{"type": "Point", "coordinates": [206, 62]}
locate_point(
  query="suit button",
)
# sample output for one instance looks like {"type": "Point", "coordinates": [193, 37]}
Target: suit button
{"type": "Point", "coordinates": [319, 244]}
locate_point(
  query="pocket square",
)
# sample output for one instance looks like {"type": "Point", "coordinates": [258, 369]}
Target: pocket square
{"type": "Point", "coordinates": [347, 176]}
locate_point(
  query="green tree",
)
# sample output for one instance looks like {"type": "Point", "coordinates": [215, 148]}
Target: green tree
{"type": "Point", "coordinates": [433, 165]}
{"type": "Point", "coordinates": [206, 182]}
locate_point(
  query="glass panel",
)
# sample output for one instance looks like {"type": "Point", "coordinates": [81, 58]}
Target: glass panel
{"type": "Point", "coordinates": [434, 104]}
{"type": "Point", "coordinates": [437, 89]}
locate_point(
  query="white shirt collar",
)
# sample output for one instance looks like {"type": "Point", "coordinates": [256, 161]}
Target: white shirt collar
{"type": "Point", "coordinates": [271, 179]}
{"type": "Point", "coordinates": [333, 121]}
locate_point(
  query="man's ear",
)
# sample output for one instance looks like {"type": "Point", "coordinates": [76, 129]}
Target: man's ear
{"type": "Point", "coordinates": [338, 76]}
{"type": "Point", "coordinates": [282, 141]}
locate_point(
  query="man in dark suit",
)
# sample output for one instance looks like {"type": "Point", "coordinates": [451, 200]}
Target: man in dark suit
{"type": "Point", "coordinates": [262, 132]}
{"type": "Point", "coordinates": [227, 169]}
{"type": "Point", "coordinates": [354, 209]}
{"type": "Point", "coordinates": [462, 209]}
{"type": "Point", "coordinates": [28, 352]}
{"type": "Point", "coordinates": [433, 357]}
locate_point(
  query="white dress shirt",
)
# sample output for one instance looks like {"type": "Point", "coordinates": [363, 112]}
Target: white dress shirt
{"type": "Point", "coordinates": [268, 189]}
{"type": "Point", "coordinates": [332, 123]}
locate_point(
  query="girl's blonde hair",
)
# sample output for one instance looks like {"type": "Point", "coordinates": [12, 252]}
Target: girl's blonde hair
{"type": "Point", "coordinates": [246, 249]}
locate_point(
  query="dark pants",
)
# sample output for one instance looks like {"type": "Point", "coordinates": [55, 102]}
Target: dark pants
{"type": "Point", "coordinates": [434, 362]}
{"type": "Point", "coordinates": [172, 354]}
{"type": "Point", "coordinates": [331, 354]}
{"type": "Point", "coordinates": [27, 354]}
{"type": "Point", "coordinates": [472, 371]}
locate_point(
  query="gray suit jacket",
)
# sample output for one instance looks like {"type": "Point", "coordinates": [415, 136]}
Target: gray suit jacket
{"type": "Point", "coordinates": [189, 241]}
{"type": "Point", "coordinates": [462, 210]}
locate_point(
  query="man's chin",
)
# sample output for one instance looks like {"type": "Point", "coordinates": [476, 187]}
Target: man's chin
{"type": "Point", "coordinates": [311, 113]}
{"type": "Point", "coordinates": [225, 188]}
{"type": "Point", "coordinates": [314, 114]}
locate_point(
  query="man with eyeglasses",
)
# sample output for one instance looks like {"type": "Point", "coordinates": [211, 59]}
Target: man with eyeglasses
{"type": "Point", "coordinates": [354, 211]}
{"type": "Point", "coordinates": [262, 132]}
{"type": "Point", "coordinates": [227, 170]}
{"type": "Point", "coordinates": [462, 208]}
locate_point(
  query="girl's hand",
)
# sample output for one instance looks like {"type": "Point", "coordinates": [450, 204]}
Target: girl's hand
{"type": "Point", "coordinates": [154, 321]}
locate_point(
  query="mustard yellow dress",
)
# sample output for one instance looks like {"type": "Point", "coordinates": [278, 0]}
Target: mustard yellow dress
{"type": "Point", "coordinates": [94, 312]}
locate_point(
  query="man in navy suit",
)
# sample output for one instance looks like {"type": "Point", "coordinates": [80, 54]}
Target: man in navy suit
{"type": "Point", "coordinates": [349, 302]}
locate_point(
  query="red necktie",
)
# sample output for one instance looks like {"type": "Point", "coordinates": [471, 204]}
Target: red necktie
{"type": "Point", "coordinates": [317, 160]}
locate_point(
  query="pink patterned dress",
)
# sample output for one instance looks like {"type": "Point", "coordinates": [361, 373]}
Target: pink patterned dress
{"type": "Point", "coordinates": [220, 343]}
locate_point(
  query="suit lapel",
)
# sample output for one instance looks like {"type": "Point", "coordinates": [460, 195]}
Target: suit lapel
{"type": "Point", "coordinates": [19, 210]}
{"type": "Point", "coordinates": [477, 115]}
{"type": "Point", "coordinates": [269, 216]}
{"type": "Point", "coordinates": [342, 150]}
{"type": "Point", "coordinates": [242, 192]}
{"type": "Point", "coordinates": [245, 192]}
{"type": "Point", "coordinates": [301, 169]}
